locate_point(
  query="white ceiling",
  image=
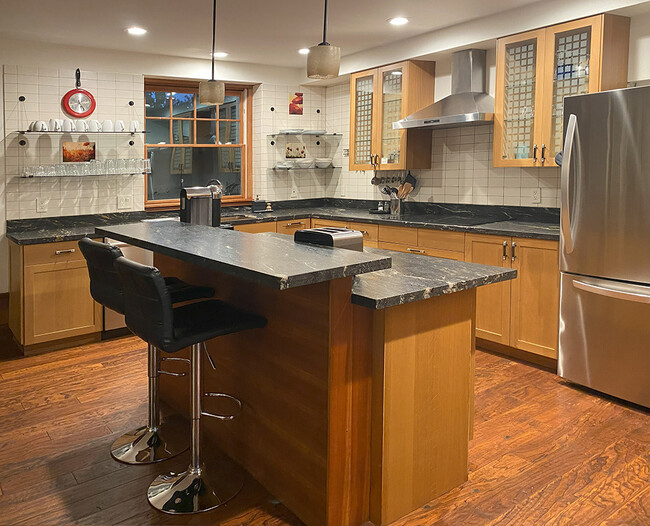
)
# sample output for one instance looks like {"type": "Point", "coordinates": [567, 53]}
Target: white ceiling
{"type": "Point", "coordinates": [254, 31]}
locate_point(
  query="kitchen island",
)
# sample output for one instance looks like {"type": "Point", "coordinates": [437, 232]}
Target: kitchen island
{"type": "Point", "coordinates": [357, 396]}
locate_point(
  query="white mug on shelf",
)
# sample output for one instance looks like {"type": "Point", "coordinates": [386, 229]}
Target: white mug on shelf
{"type": "Point", "coordinates": [107, 125]}
{"type": "Point", "coordinates": [31, 126]}
{"type": "Point", "coordinates": [68, 126]}
{"type": "Point", "coordinates": [134, 126]}
{"type": "Point", "coordinates": [119, 126]}
{"type": "Point", "coordinates": [81, 125]}
{"type": "Point", "coordinates": [40, 126]}
{"type": "Point", "coordinates": [54, 125]}
{"type": "Point", "coordinates": [94, 126]}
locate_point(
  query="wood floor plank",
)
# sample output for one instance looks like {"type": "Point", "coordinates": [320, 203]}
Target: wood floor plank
{"type": "Point", "coordinates": [544, 451]}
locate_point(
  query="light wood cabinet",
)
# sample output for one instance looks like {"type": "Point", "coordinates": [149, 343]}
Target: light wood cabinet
{"type": "Point", "coordinates": [381, 96]}
{"type": "Point", "coordinates": [368, 230]}
{"type": "Point", "coordinates": [257, 228]}
{"type": "Point", "coordinates": [522, 313]}
{"type": "Point", "coordinates": [50, 294]}
{"type": "Point", "coordinates": [537, 69]}
{"type": "Point", "coordinates": [292, 225]}
{"type": "Point", "coordinates": [424, 241]}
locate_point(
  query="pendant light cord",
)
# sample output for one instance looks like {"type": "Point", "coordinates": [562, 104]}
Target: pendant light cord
{"type": "Point", "coordinates": [324, 43]}
{"type": "Point", "coordinates": [214, 31]}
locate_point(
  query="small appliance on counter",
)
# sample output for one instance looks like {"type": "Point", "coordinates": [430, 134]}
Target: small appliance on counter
{"type": "Point", "coordinates": [201, 205]}
{"type": "Point", "coordinates": [331, 237]}
{"type": "Point", "coordinates": [261, 206]}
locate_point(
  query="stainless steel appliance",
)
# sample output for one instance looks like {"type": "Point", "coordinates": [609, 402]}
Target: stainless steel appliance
{"type": "Point", "coordinates": [331, 237]}
{"type": "Point", "coordinates": [113, 320]}
{"type": "Point", "coordinates": [201, 205]}
{"type": "Point", "coordinates": [605, 243]}
{"type": "Point", "coordinates": [469, 103]}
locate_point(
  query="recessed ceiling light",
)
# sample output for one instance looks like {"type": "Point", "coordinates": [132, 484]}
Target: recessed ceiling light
{"type": "Point", "coordinates": [138, 31]}
{"type": "Point", "coordinates": [398, 21]}
{"type": "Point", "coordinates": [220, 54]}
{"type": "Point", "coordinates": [304, 51]}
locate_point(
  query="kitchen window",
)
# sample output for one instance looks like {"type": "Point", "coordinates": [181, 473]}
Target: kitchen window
{"type": "Point", "coordinates": [191, 144]}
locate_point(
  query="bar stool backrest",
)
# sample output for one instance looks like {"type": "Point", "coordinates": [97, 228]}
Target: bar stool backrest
{"type": "Point", "coordinates": [105, 284]}
{"type": "Point", "coordinates": [147, 304]}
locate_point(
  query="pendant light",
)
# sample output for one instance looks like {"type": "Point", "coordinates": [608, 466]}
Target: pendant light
{"type": "Point", "coordinates": [212, 91]}
{"type": "Point", "coordinates": [323, 61]}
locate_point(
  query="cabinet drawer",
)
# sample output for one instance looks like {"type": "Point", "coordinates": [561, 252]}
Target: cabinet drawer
{"type": "Point", "coordinates": [319, 223]}
{"type": "Point", "coordinates": [63, 251]}
{"type": "Point", "coordinates": [398, 234]}
{"type": "Point", "coordinates": [441, 240]}
{"type": "Point", "coordinates": [411, 249]}
{"type": "Point", "coordinates": [256, 228]}
{"type": "Point", "coordinates": [289, 226]}
{"type": "Point", "coordinates": [369, 231]}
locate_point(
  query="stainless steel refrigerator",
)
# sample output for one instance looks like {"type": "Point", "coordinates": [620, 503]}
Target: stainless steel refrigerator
{"type": "Point", "coordinates": [605, 243]}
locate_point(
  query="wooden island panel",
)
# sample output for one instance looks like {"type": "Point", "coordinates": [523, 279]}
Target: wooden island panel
{"type": "Point", "coordinates": [302, 390]}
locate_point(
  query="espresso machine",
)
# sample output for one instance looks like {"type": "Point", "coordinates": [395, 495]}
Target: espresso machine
{"type": "Point", "coordinates": [201, 205]}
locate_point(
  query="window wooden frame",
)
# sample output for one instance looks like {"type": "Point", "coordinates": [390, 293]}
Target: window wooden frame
{"type": "Point", "coordinates": [244, 92]}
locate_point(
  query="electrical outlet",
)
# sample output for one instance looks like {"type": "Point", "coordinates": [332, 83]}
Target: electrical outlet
{"type": "Point", "coordinates": [41, 204]}
{"type": "Point", "coordinates": [124, 202]}
{"type": "Point", "coordinates": [294, 192]}
{"type": "Point", "coordinates": [535, 196]}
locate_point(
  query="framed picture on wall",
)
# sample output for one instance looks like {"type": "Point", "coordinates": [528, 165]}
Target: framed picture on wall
{"type": "Point", "coordinates": [295, 103]}
{"type": "Point", "coordinates": [78, 152]}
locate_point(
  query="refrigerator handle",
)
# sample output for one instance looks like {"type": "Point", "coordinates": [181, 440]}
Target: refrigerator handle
{"type": "Point", "coordinates": [634, 293]}
{"type": "Point", "coordinates": [566, 183]}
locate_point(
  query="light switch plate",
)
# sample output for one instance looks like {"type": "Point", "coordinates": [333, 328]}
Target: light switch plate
{"type": "Point", "coordinates": [124, 202]}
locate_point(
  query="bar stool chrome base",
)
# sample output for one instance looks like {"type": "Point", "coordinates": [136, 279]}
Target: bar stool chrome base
{"type": "Point", "coordinates": [147, 445]}
{"type": "Point", "coordinates": [194, 491]}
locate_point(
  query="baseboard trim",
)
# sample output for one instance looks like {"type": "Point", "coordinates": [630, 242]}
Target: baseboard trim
{"type": "Point", "coordinates": [57, 345]}
{"type": "Point", "coordinates": [544, 362]}
{"type": "Point", "coordinates": [4, 308]}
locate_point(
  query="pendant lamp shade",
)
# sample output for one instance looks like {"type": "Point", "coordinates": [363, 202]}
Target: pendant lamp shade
{"type": "Point", "coordinates": [323, 61]}
{"type": "Point", "coordinates": [212, 91]}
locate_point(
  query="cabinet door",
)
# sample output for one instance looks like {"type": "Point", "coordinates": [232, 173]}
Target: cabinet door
{"type": "Point", "coordinates": [391, 144]}
{"type": "Point", "coordinates": [535, 296]}
{"type": "Point", "coordinates": [362, 119]}
{"type": "Point", "coordinates": [292, 225]}
{"type": "Point", "coordinates": [518, 100]}
{"type": "Point", "coordinates": [572, 67]}
{"type": "Point", "coordinates": [58, 303]}
{"type": "Point", "coordinates": [492, 301]}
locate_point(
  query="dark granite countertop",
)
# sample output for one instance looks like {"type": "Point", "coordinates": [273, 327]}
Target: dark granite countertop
{"type": "Point", "coordinates": [268, 260]}
{"type": "Point", "coordinates": [509, 221]}
{"type": "Point", "coordinates": [414, 277]}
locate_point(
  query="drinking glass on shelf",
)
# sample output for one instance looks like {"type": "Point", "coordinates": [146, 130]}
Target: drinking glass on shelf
{"type": "Point", "coordinates": [147, 166]}
{"type": "Point", "coordinates": [39, 171]}
{"type": "Point", "coordinates": [122, 166]}
{"type": "Point", "coordinates": [50, 171]}
{"type": "Point", "coordinates": [110, 166]}
{"type": "Point", "coordinates": [59, 169]}
{"type": "Point", "coordinates": [132, 166]}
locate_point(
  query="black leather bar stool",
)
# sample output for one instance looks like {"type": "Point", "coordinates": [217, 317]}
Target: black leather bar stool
{"type": "Point", "coordinates": [158, 440]}
{"type": "Point", "coordinates": [150, 315]}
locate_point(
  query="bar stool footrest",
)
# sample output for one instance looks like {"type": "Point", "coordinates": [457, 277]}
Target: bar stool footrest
{"type": "Point", "coordinates": [173, 359]}
{"type": "Point", "coordinates": [223, 416]}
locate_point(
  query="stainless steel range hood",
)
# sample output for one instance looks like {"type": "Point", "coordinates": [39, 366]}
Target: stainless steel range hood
{"type": "Point", "coordinates": [469, 104]}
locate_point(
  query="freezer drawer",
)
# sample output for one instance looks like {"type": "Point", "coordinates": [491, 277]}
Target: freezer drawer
{"type": "Point", "coordinates": [605, 336]}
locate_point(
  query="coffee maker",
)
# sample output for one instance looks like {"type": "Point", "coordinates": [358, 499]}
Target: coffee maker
{"type": "Point", "coordinates": [201, 205]}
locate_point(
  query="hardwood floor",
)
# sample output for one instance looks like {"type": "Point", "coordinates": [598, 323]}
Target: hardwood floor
{"type": "Point", "coordinates": [543, 452]}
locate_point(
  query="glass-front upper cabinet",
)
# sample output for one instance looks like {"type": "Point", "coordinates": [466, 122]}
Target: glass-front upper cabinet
{"type": "Point", "coordinates": [362, 115]}
{"type": "Point", "coordinates": [536, 70]}
{"type": "Point", "coordinates": [518, 96]}
{"type": "Point", "coordinates": [380, 97]}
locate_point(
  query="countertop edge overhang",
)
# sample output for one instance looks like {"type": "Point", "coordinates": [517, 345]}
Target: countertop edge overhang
{"type": "Point", "coordinates": [259, 259]}
{"type": "Point", "coordinates": [415, 277]}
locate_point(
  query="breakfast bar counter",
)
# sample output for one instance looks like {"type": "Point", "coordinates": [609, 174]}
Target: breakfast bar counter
{"type": "Point", "coordinates": [358, 394]}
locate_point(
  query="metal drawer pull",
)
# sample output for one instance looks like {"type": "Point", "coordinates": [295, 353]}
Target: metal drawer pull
{"type": "Point", "coordinates": [535, 153]}
{"type": "Point", "coordinates": [295, 223]}
{"type": "Point", "coordinates": [416, 250]}
{"type": "Point", "coordinates": [68, 251]}
{"type": "Point", "coordinates": [505, 250]}
{"type": "Point", "coordinates": [514, 256]}
{"type": "Point", "coordinates": [632, 295]}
